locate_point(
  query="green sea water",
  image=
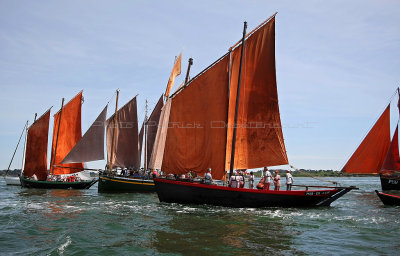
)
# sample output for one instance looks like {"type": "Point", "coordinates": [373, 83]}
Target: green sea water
{"type": "Point", "coordinates": [84, 222]}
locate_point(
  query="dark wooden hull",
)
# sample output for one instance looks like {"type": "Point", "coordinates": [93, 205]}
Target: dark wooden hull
{"type": "Point", "coordinates": [388, 199]}
{"type": "Point", "coordinates": [390, 182]}
{"type": "Point", "coordinates": [115, 184]}
{"type": "Point", "coordinates": [27, 183]}
{"type": "Point", "coordinates": [171, 191]}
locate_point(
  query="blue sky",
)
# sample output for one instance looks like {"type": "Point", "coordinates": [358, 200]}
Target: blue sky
{"type": "Point", "coordinates": [338, 62]}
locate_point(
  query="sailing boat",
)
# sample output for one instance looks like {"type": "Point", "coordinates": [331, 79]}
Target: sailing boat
{"type": "Point", "coordinates": [14, 180]}
{"type": "Point", "coordinates": [66, 133]}
{"type": "Point", "coordinates": [377, 154]}
{"type": "Point", "coordinates": [227, 117]}
{"type": "Point", "coordinates": [124, 152]}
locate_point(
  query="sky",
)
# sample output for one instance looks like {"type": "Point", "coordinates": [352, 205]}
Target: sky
{"type": "Point", "coordinates": [338, 62]}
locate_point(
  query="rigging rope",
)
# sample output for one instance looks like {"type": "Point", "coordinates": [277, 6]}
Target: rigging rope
{"type": "Point", "coordinates": [310, 175]}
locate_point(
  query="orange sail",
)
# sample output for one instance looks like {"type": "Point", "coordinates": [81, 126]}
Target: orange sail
{"type": "Point", "coordinates": [196, 136]}
{"type": "Point", "coordinates": [392, 160]}
{"type": "Point", "coordinates": [36, 148]}
{"type": "Point", "coordinates": [259, 137]}
{"type": "Point", "coordinates": [152, 126]}
{"type": "Point", "coordinates": [66, 133]}
{"type": "Point", "coordinates": [176, 71]}
{"type": "Point", "coordinates": [126, 147]}
{"type": "Point", "coordinates": [370, 155]}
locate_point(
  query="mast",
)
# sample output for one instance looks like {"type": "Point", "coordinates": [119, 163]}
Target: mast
{"type": "Point", "coordinates": [12, 158]}
{"type": "Point", "coordinates": [237, 102]}
{"type": "Point", "coordinates": [188, 70]}
{"type": "Point", "coordinates": [113, 136]}
{"type": "Point", "coordinates": [58, 131]}
{"type": "Point", "coordinates": [145, 137]}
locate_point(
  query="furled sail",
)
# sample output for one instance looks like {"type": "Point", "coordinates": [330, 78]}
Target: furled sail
{"type": "Point", "coordinates": [196, 137]}
{"type": "Point", "coordinates": [152, 127]}
{"type": "Point", "coordinates": [176, 71]}
{"type": "Point", "coordinates": [66, 133]}
{"type": "Point", "coordinates": [157, 153]}
{"type": "Point", "coordinates": [392, 159]}
{"type": "Point", "coordinates": [126, 137]}
{"type": "Point", "coordinates": [91, 145]}
{"type": "Point", "coordinates": [259, 137]}
{"type": "Point", "coordinates": [36, 148]}
{"type": "Point", "coordinates": [140, 143]}
{"type": "Point", "coordinates": [370, 155]}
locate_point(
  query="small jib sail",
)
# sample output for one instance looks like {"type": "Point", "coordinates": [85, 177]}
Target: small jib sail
{"type": "Point", "coordinates": [199, 134]}
{"type": "Point", "coordinates": [125, 149]}
{"type": "Point", "coordinates": [36, 148]}
{"type": "Point", "coordinates": [370, 155]}
{"type": "Point", "coordinates": [91, 145]}
{"type": "Point", "coordinates": [66, 133]}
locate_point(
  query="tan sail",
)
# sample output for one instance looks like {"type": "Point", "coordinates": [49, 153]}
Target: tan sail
{"type": "Point", "coordinates": [66, 133]}
{"type": "Point", "coordinates": [176, 71]}
{"type": "Point", "coordinates": [259, 139]}
{"type": "Point", "coordinates": [152, 127]}
{"type": "Point", "coordinates": [370, 155]}
{"type": "Point", "coordinates": [91, 145]}
{"type": "Point", "coordinates": [126, 137]}
{"type": "Point", "coordinates": [196, 137]}
{"type": "Point", "coordinates": [140, 143]}
{"type": "Point", "coordinates": [157, 153]}
{"type": "Point", "coordinates": [36, 148]}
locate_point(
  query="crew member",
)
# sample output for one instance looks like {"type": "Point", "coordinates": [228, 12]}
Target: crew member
{"type": "Point", "coordinates": [289, 180]}
{"type": "Point", "coordinates": [277, 180]}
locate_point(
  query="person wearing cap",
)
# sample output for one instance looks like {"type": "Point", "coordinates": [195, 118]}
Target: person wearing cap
{"type": "Point", "coordinates": [289, 180]}
{"type": "Point", "coordinates": [277, 180]}
{"type": "Point", "coordinates": [208, 177]}
{"type": "Point", "coordinates": [267, 180]}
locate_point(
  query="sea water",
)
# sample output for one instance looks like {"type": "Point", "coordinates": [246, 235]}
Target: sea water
{"type": "Point", "coordinates": [85, 222]}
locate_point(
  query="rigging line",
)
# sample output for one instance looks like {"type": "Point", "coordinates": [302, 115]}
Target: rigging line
{"type": "Point", "coordinates": [113, 95]}
{"type": "Point", "coordinates": [369, 129]}
{"type": "Point", "coordinates": [12, 158]}
{"type": "Point", "coordinates": [317, 178]}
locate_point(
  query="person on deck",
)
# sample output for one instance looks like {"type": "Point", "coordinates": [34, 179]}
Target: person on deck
{"type": "Point", "coordinates": [277, 181]}
{"type": "Point", "coordinates": [241, 179]}
{"type": "Point", "coordinates": [289, 180]}
{"type": "Point", "coordinates": [208, 177]}
{"type": "Point", "coordinates": [267, 180]}
{"type": "Point", "coordinates": [233, 182]}
{"type": "Point", "coordinates": [251, 180]}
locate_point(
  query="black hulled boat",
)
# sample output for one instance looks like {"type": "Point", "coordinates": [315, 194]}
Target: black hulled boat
{"type": "Point", "coordinates": [388, 199]}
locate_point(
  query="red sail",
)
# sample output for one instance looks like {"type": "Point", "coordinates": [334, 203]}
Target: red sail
{"type": "Point", "coordinates": [392, 160]}
{"type": "Point", "coordinates": [369, 156]}
{"type": "Point", "coordinates": [152, 126]}
{"type": "Point", "coordinates": [196, 136]}
{"type": "Point", "coordinates": [126, 147]}
{"type": "Point", "coordinates": [259, 137]}
{"type": "Point", "coordinates": [36, 148]}
{"type": "Point", "coordinates": [67, 135]}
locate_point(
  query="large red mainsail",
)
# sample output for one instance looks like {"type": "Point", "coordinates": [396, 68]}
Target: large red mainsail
{"type": "Point", "coordinates": [392, 159]}
{"type": "Point", "coordinates": [36, 148]}
{"type": "Point", "coordinates": [66, 133]}
{"type": "Point", "coordinates": [196, 136]}
{"type": "Point", "coordinates": [259, 137]}
{"type": "Point", "coordinates": [370, 155]}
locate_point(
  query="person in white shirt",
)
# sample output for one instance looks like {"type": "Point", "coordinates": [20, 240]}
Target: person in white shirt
{"type": "Point", "coordinates": [208, 177]}
{"type": "Point", "coordinates": [251, 180]}
{"type": "Point", "coordinates": [289, 180]}
{"type": "Point", "coordinates": [233, 180]}
{"type": "Point", "coordinates": [268, 177]}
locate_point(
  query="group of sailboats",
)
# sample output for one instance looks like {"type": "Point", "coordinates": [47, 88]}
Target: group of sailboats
{"type": "Point", "coordinates": [225, 118]}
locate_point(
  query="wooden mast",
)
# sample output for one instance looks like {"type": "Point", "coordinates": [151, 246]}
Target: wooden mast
{"type": "Point", "coordinates": [145, 137]}
{"type": "Point", "coordinates": [12, 158]}
{"type": "Point", "coordinates": [58, 131]}
{"type": "Point", "coordinates": [115, 126]}
{"type": "Point", "coordinates": [237, 102]}
{"type": "Point", "coordinates": [188, 70]}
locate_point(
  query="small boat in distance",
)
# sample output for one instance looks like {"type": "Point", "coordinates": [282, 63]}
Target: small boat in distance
{"type": "Point", "coordinates": [377, 154]}
{"type": "Point", "coordinates": [388, 199]}
{"type": "Point", "coordinates": [225, 118]}
{"type": "Point", "coordinates": [66, 133]}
